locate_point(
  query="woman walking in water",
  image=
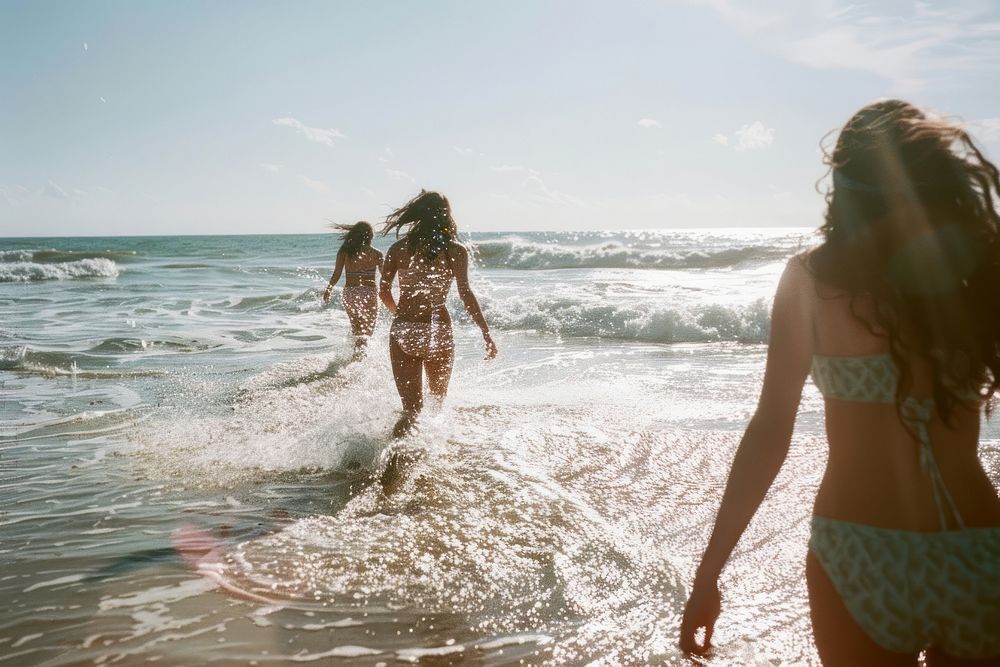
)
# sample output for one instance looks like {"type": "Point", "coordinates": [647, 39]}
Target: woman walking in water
{"type": "Point", "coordinates": [897, 316]}
{"type": "Point", "coordinates": [358, 260]}
{"type": "Point", "coordinates": [427, 259]}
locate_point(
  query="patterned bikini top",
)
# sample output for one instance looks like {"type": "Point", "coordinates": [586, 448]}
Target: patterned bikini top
{"type": "Point", "coordinates": [873, 379]}
{"type": "Point", "coordinates": [870, 378]}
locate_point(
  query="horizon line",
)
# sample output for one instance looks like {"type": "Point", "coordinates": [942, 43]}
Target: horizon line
{"type": "Point", "coordinates": [504, 231]}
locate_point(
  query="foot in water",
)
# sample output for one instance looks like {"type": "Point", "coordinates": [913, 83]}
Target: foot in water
{"type": "Point", "coordinates": [404, 425]}
{"type": "Point", "coordinates": [397, 468]}
{"type": "Point", "coordinates": [392, 476]}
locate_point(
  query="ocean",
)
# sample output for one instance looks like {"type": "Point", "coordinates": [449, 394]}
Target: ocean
{"type": "Point", "coordinates": [185, 451]}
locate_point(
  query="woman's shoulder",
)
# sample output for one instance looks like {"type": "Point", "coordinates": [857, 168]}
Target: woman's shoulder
{"type": "Point", "coordinates": [802, 260]}
{"type": "Point", "coordinates": [399, 246]}
{"type": "Point", "coordinates": [799, 267]}
{"type": "Point", "coordinates": [798, 280]}
{"type": "Point", "coordinates": [805, 268]}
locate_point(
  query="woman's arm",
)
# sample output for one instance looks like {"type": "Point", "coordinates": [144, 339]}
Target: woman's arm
{"type": "Point", "coordinates": [337, 269]}
{"type": "Point", "coordinates": [460, 267]}
{"type": "Point", "coordinates": [763, 448]}
{"type": "Point", "coordinates": [388, 270]}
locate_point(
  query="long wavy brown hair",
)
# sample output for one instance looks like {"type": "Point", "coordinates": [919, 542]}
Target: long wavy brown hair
{"type": "Point", "coordinates": [912, 224]}
{"type": "Point", "coordinates": [355, 238]}
{"type": "Point", "coordinates": [425, 223]}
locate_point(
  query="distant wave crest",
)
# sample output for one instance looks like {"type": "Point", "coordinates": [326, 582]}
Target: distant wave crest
{"type": "Point", "coordinates": [647, 322]}
{"type": "Point", "coordinates": [517, 253]}
{"type": "Point", "coordinates": [19, 266]}
{"type": "Point", "coordinates": [55, 364]}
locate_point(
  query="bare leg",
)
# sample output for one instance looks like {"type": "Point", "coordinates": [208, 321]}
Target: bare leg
{"type": "Point", "coordinates": [438, 368]}
{"type": "Point", "coordinates": [839, 639]}
{"type": "Point", "coordinates": [357, 326]}
{"type": "Point", "coordinates": [362, 313]}
{"type": "Point", "coordinates": [406, 370]}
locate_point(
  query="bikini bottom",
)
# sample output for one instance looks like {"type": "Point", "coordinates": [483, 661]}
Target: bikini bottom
{"type": "Point", "coordinates": [360, 301]}
{"type": "Point", "coordinates": [423, 339]}
{"type": "Point", "coordinates": [912, 590]}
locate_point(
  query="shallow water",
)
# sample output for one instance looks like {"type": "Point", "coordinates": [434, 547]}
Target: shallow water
{"type": "Point", "coordinates": [185, 453]}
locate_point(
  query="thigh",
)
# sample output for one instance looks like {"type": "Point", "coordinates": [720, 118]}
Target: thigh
{"type": "Point", "coordinates": [351, 308]}
{"type": "Point", "coordinates": [839, 639]}
{"type": "Point", "coordinates": [358, 307]}
{"type": "Point", "coordinates": [438, 367]}
{"type": "Point", "coordinates": [366, 314]}
{"type": "Point", "coordinates": [356, 323]}
{"type": "Point", "coordinates": [406, 371]}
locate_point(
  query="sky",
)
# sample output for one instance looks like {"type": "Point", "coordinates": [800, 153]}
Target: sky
{"type": "Point", "coordinates": [245, 117]}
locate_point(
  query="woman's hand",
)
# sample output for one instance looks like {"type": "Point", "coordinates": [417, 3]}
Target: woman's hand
{"type": "Point", "coordinates": [702, 610]}
{"type": "Point", "coordinates": [491, 347]}
{"type": "Point", "coordinates": [326, 293]}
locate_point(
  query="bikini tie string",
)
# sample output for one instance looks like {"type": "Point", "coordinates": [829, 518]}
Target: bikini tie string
{"type": "Point", "coordinates": [917, 415]}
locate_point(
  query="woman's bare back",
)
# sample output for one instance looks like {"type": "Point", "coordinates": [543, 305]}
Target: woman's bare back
{"type": "Point", "coordinates": [874, 475]}
{"type": "Point", "coordinates": [360, 269]}
{"type": "Point", "coordinates": [423, 283]}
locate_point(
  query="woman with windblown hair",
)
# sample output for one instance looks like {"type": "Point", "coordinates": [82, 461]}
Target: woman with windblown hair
{"type": "Point", "coordinates": [897, 316]}
{"type": "Point", "coordinates": [359, 261]}
{"type": "Point", "coordinates": [426, 259]}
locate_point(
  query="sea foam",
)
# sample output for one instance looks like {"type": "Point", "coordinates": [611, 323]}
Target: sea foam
{"type": "Point", "coordinates": [576, 315]}
{"type": "Point", "coordinates": [519, 253]}
{"type": "Point", "coordinates": [26, 271]}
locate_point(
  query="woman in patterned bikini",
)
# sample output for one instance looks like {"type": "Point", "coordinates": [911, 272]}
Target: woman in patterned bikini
{"type": "Point", "coordinates": [897, 316]}
{"type": "Point", "coordinates": [427, 259]}
{"type": "Point", "coordinates": [359, 261]}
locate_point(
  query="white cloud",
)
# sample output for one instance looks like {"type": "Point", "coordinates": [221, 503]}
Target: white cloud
{"type": "Point", "coordinates": [273, 168]}
{"type": "Point", "coordinates": [53, 190]}
{"type": "Point", "coordinates": [85, 47]}
{"type": "Point", "coordinates": [386, 155]}
{"type": "Point", "coordinates": [14, 195]}
{"type": "Point", "coordinates": [754, 136]}
{"type": "Point", "coordinates": [464, 151]}
{"type": "Point", "coordinates": [540, 192]}
{"type": "Point", "coordinates": [397, 175]}
{"type": "Point", "coordinates": [319, 135]}
{"type": "Point", "coordinates": [986, 129]}
{"type": "Point", "coordinates": [514, 169]}
{"type": "Point", "coordinates": [649, 123]}
{"type": "Point", "coordinates": [104, 190]}
{"type": "Point", "coordinates": [313, 184]}
{"type": "Point", "coordinates": [907, 44]}
{"type": "Point", "coordinates": [721, 139]}
{"type": "Point", "coordinates": [368, 191]}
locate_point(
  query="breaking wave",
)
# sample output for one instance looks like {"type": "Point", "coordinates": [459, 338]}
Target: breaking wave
{"type": "Point", "coordinates": [638, 321]}
{"type": "Point", "coordinates": [518, 253]}
{"type": "Point", "coordinates": [23, 270]}
{"type": "Point", "coordinates": [53, 364]}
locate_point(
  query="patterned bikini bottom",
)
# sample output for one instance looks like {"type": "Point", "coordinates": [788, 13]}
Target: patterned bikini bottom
{"type": "Point", "coordinates": [912, 590]}
{"type": "Point", "coordinates": [423, 339]}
